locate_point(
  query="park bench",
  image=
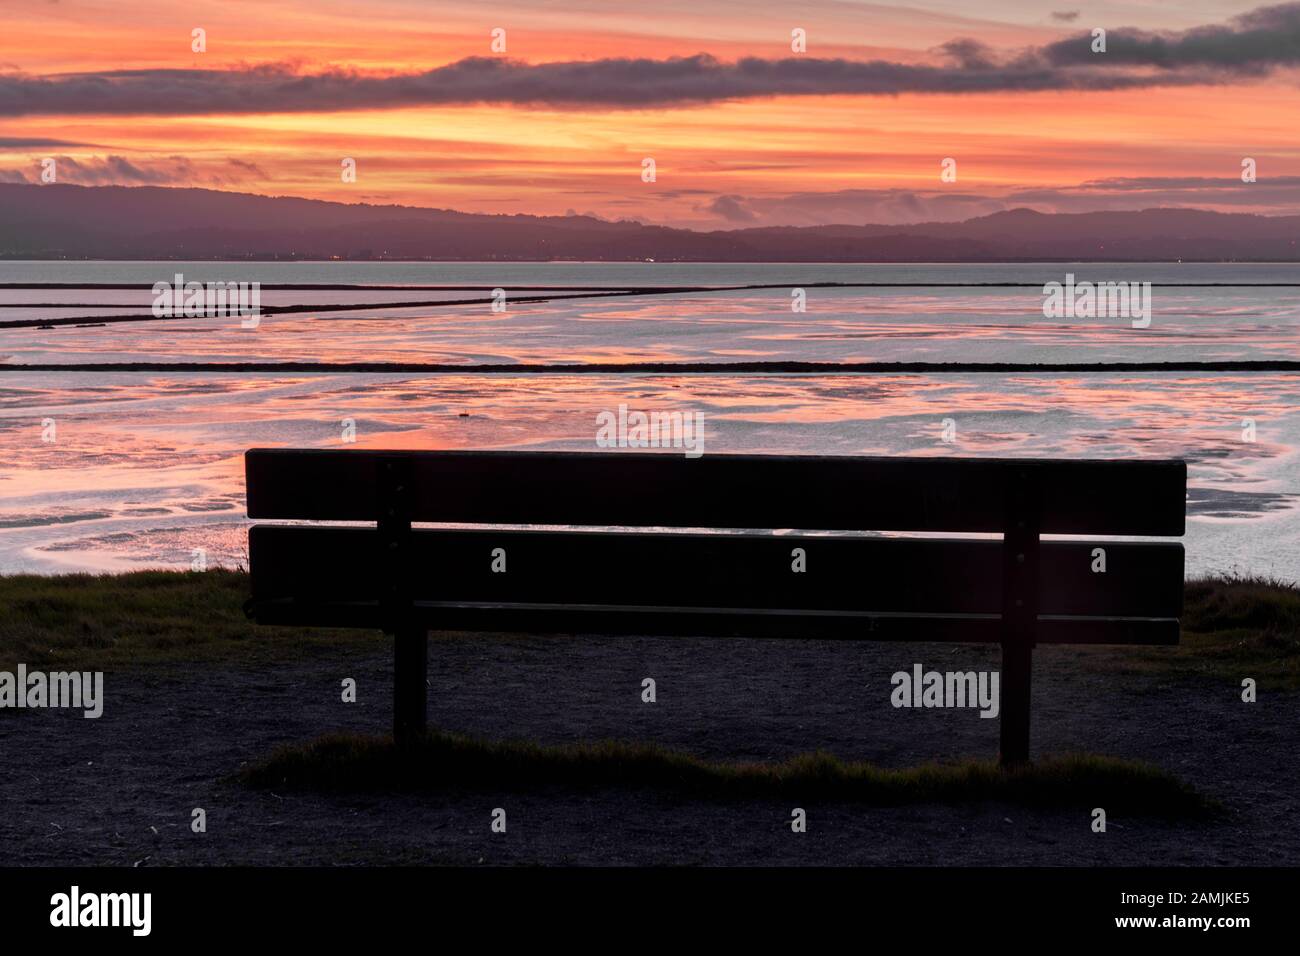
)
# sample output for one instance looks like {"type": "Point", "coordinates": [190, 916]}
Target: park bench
{"type": "Point", "coordinates": [596, 543]}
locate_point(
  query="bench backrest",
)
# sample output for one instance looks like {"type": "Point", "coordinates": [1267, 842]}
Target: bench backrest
{"type": "Point", "coordinates": [788, 584]}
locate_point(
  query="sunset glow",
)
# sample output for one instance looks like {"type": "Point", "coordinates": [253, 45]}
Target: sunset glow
{"type": "Point", "coordinates": [1177, 137]}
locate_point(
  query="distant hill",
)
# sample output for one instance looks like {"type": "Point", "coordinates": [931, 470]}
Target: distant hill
{"type": "Point", "coordinates": [150, 222]}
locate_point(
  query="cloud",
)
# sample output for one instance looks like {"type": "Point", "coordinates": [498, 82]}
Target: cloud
{"type": "Point", "coordinates": [119, 171]}
{"type": "Point", "coordinates": [1251, 43]}
{"type": "Point", "coordinates": [1065, 16]}
{"type": "Point", "coordinates": [610, 83]}
{"type": "Point", "coordinates": [22, 142]}
{"type": "Point", "coordinates": [1234, 184]}
{"type": "Point", "coordinates": [1273, 195]}
{"type": "Point", "coordinates": [1248, 45]}
{"type": "Point", "coordinates": [848, 207]}
{"type": "Point", "coordinates": [731, 208]}
{"type": "Point", "coordinates": [969, 54]}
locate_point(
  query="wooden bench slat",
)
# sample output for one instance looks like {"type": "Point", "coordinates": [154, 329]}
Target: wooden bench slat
{"type": "Point", "coordinates": [1124, 497]}
{"type": "Point", "coordinates": [718, 622]}
{"type": "Point", "coordinates": [930, 576]}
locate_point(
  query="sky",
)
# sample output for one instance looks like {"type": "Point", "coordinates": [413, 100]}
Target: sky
{"type": "Point", "coordinates": [744, 129]}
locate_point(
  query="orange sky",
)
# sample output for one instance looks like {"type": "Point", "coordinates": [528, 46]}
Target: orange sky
{"type": "Point", "coordinates": [779, 159]}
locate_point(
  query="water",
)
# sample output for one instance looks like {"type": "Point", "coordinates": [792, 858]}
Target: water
{"type": "Point", "coordinates": [145, 469]}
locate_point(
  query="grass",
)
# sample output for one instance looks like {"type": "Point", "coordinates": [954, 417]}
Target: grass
{"type": "Point", "coordinates": [446, 761]}
{"type": "Point", "coordinates": [90, 621]}
{"type": "Point", "coordinates": [1233, 626]}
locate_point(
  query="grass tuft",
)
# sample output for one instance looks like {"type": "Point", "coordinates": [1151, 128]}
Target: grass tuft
{"type": "Point", "coordinates": [1234, 626]}
{"type": "Point", "coordinates": [1240, 602]}
{"type": "Point", "coordinates": [448, 761]}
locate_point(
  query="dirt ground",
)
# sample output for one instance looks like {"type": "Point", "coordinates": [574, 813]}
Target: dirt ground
{"type": "Point", "coordinates": [120, 790]}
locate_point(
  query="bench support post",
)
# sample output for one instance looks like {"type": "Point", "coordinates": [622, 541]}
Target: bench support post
{"type": "Point", "coordinates": [1017, 668]}
{"type": "Point", "coordinates": [410, 687]}
{"type": "Point", "coordinates": [1020, 564]}
{"type": "Point", "coordinates": [410, 640]}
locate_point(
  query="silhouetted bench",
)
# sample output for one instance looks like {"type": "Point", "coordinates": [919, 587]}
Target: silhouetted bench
{"type": "Point", "coordinates": [1016, 591]}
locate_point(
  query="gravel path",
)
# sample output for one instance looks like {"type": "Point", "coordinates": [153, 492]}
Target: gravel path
{"type": "Point", "coordinates": [120, 790]}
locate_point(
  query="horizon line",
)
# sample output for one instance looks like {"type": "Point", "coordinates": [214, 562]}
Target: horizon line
{"type": "Point", "coordinates": [660, 368]}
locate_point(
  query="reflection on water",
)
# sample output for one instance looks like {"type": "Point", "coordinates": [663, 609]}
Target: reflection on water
{"type": "Point", "coordinates": [887, 325]}
{"type": "Point", "coordinates": [147, 468]}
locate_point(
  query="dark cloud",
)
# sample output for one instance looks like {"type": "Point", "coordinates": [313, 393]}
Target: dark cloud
{"type": "Point", "coordinates": [613, 83]}
{"type": "Point", "coordinates": [1131, 183]}
{"type": "Point", "coordinates": [119, 171]}
{"type": "Point", "coordinates": [845, 207]}
{"type": "Point", "coordinates": [22, 142]}
{"type": "Point", "coordinates": [1250, 44]}
{"type": "Point", "coordinates": [243, 169]}
{"type": "Point", "coordinates": [1277, 195]}
{"type": "Point", "coordinates": [969, 54]}
{"type": "Point", "coordinates": [731, 208]}
{"type": "Point", "coordinates": [1065, 16]}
